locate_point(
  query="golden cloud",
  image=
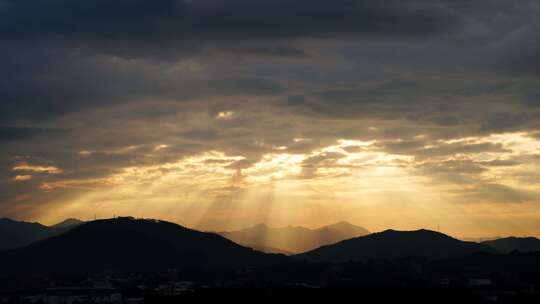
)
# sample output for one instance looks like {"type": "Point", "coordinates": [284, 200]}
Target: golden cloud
{"type": "Point", "coordinates": [38, 169]}
{"type": "Point", "coordinates": [22, 178]}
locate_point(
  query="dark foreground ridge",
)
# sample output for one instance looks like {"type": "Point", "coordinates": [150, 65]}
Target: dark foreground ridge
{"type": "Point", "coordinates": [392, 244]}
{"type": "Point", "coordinates": [128, 244]}
{"type": "Point", "coordinates": [477, 278]}
{"type": "Point", "coordinates": [15, 234]}
{"type": "Point", "coordinates": [509, 244]}
{"type": "Point", "coordinates": [128, 260]}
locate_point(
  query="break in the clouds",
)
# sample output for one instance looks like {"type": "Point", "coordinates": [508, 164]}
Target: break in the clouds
{"type": "Point", "coordinates": [224, 113]}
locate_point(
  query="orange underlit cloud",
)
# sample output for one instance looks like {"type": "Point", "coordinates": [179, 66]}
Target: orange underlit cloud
{"type": "Point", "coordinates": [22, 178]}
{"type": "Point", "coordinates": [38, 169]}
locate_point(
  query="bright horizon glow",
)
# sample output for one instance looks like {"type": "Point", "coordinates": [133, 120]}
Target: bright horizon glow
{"type": "Point", "coordinates": [366, 186]}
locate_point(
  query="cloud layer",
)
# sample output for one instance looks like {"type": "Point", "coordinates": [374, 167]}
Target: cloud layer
{"type": "Point", "coordinates": [326, 108]}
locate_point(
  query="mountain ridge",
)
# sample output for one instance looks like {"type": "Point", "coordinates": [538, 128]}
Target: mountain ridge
{"type": "Point", "coordinates": [132, 244]}
{"type": "Point", "coordinates": [17, 234]}
{"type": "Point", "coordinates": [293, 239]}
{"type": "Point", "coordinates": [512, 243]}
{"type": "Point", "coordinates": [390, 244]}
{"type": "Point", "coordinates": [69, 222]}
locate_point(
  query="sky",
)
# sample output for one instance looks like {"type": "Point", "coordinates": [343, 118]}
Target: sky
{"type": "Point", "coordinates": [222, 114]}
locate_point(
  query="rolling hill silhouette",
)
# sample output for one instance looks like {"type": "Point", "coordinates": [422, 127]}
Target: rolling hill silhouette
{"type": "Point", "coordinates": [391, 244]}
{"type": "Point", "coordinates": [509, 244]}
{"type": "Point", "coordinates": [293, 239]}
{"type": "Point", "coordinates": [15, 234]}
{"type": "Point", "coordinates": [271, 250]}
{"type": "Point", "coordinates": [128, 244]}
{"type": "Point", "coordinates": [67, 224]}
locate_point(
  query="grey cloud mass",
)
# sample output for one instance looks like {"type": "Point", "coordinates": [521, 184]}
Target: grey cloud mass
{"type": "Point", "coordinates": [67, 55]}
{"type": "Point", "coordinates": [435, 86]}
{"type": "Point", "coordinates": [162, 20]}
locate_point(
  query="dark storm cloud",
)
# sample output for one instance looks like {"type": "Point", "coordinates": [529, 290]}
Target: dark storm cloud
{"type": "Point", "coordinates": [474, 106]}
{"type": "Point", "coordinates": [64, 54]}
{"type": "Point", "coordinates": [398, 94]}
{"type": "Point", "coordinates": [282, 51]}
{"type": "Point", "coordinates": [8, 133]}
{"type": "Point", "coordinates": [201, 134]}
{"type": "Point", "coordinates": [45, 82]}
{"type": "Point", "coordinates": [500, 122]}
{"type": "Point", "coordinates": [162, 20]}
{"type": "Point", "coordinates": [99, 19]}
{"type": "Point", "coordinates": [521, 50]}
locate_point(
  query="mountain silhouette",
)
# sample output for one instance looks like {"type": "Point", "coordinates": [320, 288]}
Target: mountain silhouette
{"type": "Point", "coordinates": [293, 239]}
{"type": "Point", "coordinates": [67, 224]}
{"type": "Point", "coordinates": [271, 250]}
{"type": "Point", "coordinates": [128, 244]}
{"type": "Point", "coordinates": [15, 234]}
{"type": "Point", "coordinates": [509, 244]}
{"type": "Point", "coordinates": [391, 244]}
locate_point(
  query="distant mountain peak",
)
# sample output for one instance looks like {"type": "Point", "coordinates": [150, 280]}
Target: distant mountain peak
{"type": "Point", "coordinates": [346, 228]}
{"type": "Point", "coordinates": [16, 222]}
{"type": "Point", "coordinates": [10, 220]}
{"type": "Point", "coordinates": [16, 234]}
{"type": "Point", "coordinates": [70, 222]}
{"type": "Point", "coordinates": [294, 238]}
{"type": "Point", "coordinates": [342, 223]}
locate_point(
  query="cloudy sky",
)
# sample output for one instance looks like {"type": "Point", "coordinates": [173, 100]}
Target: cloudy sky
{"type": "Point", "coordinates": [220, 114]}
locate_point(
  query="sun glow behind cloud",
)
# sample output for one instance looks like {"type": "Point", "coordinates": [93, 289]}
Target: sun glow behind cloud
{"type": "Point", "coordinates": [302, 123]}
{"type": "Point", "coordinates": [351, 179]}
